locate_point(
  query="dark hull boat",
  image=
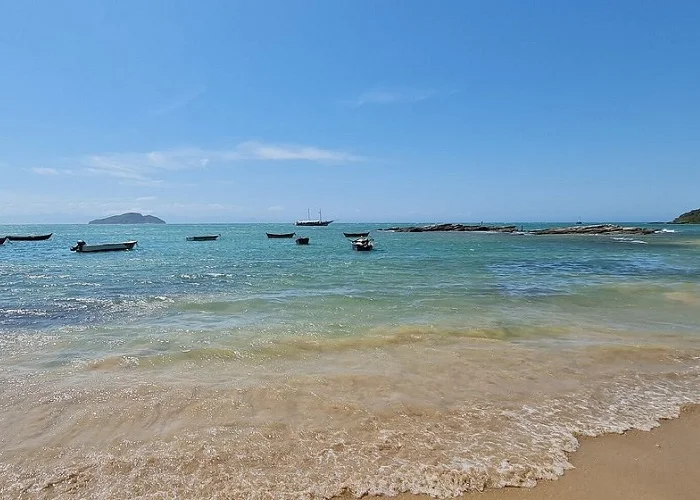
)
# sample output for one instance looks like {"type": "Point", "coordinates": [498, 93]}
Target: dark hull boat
{"type": "Point", "coordinates": [356, 235]}
{"type": "Point", "coordinates": [209, 237]}
{"type": "Point", "coordinates": [2, 240]}
{"type": "Point", "coordinates": [312, 222]}
{"type": "Point", "coordinates": [304, 240]}
{"type": "Point", "coordinates": [34, 237]}
{"type": "Point", "coordinates": [280, 235]}
{"type": "Point", "coordinates": [81, 247]}
{"type": "Point", "coordinates": [362, 244]}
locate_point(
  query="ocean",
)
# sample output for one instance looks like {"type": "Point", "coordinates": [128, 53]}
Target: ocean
{"type": "Point", "coordinates": [254, 368]}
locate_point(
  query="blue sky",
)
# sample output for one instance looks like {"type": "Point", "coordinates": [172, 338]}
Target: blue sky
{"type": "Point", "coordinates": [224, 111]}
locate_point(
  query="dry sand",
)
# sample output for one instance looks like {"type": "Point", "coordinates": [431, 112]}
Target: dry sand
{"type": "Point", "coordinates": [662, 464]}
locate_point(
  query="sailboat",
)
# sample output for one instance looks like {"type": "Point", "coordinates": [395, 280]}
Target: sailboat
{"type": "Point", "coordinates": [309, 222]}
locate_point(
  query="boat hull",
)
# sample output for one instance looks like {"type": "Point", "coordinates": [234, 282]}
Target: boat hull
{"type": "Point", "coordinates": [108, 247]}
{"type": "Point", "coordinates": [2, 240]}
{"type": "Point", "coordinates": [309, 223]}
{"type": "Point", "coordinates": [362, 244]}
{"type": "Point", "coordinates": [210, 237]}
{"type": "Point", "coordinates": [34, 237]}
{"type": "Point", "coordinates": [303, 240]}
{"type": "Point", "coordinates": [356, 235]}
{"type": "Point", "coordinates": [283, 235]}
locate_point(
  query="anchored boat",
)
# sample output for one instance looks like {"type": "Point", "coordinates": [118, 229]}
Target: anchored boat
{"type": "Point", "coordinates": [208, 237]}
{"type": "Point", "coordinates": [310, 222]}
{"type": "Point", "coordinates": [362, 244]}
{"type": "Point", "coordinates": [33, 237]}
{"type": "Point", "coordinates": [280, 235]}
{"type": "Point", "coordinates": [82, 247]}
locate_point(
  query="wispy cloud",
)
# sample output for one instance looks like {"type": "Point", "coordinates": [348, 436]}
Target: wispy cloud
{"type": "Point", "coordinates": [143, 169]}
{"type": "Point", "coordinates": [252, 150]}
{"type": "Point", "coordinates": [46, 171]}
{"type": "Point", "coordinates": [179, 102]}
{"type": "Point", "coordinates": [142, 166]}
{"type": "Point", "coordinates": [391, 96]}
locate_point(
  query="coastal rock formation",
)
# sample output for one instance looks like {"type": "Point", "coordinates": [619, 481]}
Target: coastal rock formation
{"type": "Point", "coordinates": [129, 218]}
{"type": "Point", "coordinates": [451, 227]}
{"type": "Point", "coordinates": [596, 229]}
{"type": "Point", "coordinates": [692, 217]}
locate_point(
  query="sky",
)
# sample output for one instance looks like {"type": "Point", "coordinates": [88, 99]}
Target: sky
{"type": "Point", "coordinates": [372, 111]}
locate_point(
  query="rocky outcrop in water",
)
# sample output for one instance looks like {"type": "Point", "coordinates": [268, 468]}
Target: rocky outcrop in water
{"type": "Point", "coordinates": [596, 229]}
{"type": "Point", "coordinates": [451, 227]}
{"type": "Point", "coordinates": [129, 218]}
{"type": "Point", "coordinates": [593, 229]}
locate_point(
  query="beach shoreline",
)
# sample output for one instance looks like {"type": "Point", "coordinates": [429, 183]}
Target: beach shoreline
{"type": "Point", "coordinates": [659, 464]}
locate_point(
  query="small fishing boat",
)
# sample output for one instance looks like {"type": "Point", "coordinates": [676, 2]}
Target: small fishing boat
{"type": "Point", "coordinates": [362, 244]}
{"type": "Point", "coordinates": [303, 240]}
{"type": "Point", "coordinates": [2, 240]}
{"type": "Point", "coordinates": [33, 237]}
{"type": "Point", "coordinates": [81, 247]}
{"type": "Point", "coordinates": [280, 235]}
{"type": "Point", "coordinates": [356, 235]}
{"type": "Point", "coordinates": [207, 237]}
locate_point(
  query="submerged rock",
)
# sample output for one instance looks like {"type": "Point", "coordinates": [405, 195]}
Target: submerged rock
{"type": "Point", "coordinates": [451, 227]}
{"type": "Point", "coordinates": [595, 229]}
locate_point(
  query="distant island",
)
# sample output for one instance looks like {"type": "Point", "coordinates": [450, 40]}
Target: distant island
{"type": "Point", "coordinates": [692, 217]}
{"type": "Point", "coordinates": [129, 218]}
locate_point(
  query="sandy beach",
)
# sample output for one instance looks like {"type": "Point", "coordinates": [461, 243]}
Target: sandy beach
{"type": "Point", "coordinates": [638, 465]}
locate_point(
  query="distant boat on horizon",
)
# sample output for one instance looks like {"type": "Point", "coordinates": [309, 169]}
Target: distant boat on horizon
{"type": "Point", "coordinates": [309, 222]}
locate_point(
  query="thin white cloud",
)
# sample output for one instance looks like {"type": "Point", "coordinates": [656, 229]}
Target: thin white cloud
{"type": "Point", "coordinates": [252, 150]}
{"type": "Point", "coordinates": [143, 166]}
{"type": "Point", "coordinates": [391, 96]}
{"type": "Point", "coordinates": [45, 171]}
{"type": "Point", "coordinates": [144, 169]}
{"type": "Point", "coordinates": [179, 102]}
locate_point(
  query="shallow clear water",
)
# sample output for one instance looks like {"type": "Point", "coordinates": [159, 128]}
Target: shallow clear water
{"type": "Point", "coordinates": [251, 367]}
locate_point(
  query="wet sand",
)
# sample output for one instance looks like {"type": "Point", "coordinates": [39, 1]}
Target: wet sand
{"type": "Point", "coordinates": [661, 464]}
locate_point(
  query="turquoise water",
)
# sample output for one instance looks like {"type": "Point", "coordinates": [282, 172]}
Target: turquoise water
{"type": "Point", "coordinates": [250, 367]}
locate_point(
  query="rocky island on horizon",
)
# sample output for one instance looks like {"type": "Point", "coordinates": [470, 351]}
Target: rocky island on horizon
{"type": "Point", "coordinates": [129, 218]}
